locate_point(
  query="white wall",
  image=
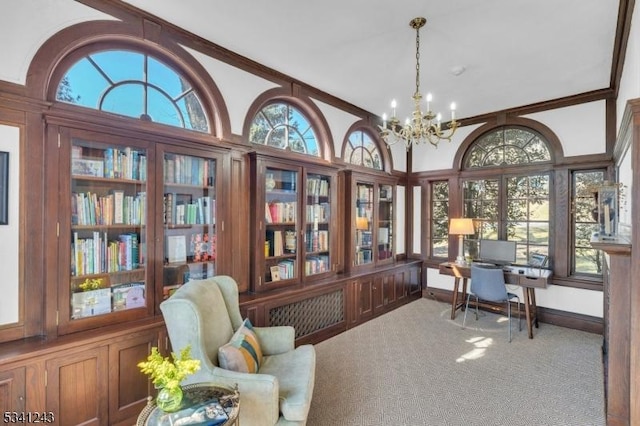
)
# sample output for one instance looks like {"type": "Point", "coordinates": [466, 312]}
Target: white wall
{"type": "Point", "coordinates": [630, 80]}
{"type": "Point", "coordinates": [580, 128]}
{"type": "Point", "coordinates": [579, 301]}
{"type": "Point", "coordinates": [10, 234]}
{"type": "Point", "coordinates": [29, 25]}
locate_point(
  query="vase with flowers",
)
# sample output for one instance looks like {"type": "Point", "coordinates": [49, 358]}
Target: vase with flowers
{"type": "Point", "coordinates": [167, 374]}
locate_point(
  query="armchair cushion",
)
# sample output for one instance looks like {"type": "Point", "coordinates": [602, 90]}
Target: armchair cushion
{"type": "Point", "coordinates": [243, 353]}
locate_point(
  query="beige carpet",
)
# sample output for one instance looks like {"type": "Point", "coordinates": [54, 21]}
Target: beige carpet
{"type": "Point", "coordinates": [416, 366]}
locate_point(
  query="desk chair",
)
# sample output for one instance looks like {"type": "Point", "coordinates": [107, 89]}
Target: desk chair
{"type": "Point", "coordinates": [487, 283]}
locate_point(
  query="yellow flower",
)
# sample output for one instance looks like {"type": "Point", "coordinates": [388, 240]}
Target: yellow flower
{"type": "Point", "coordinates": [169, 372]}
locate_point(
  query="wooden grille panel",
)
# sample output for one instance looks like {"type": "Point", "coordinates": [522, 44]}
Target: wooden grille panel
{"type": "Point", "coordinates": [310, 315]}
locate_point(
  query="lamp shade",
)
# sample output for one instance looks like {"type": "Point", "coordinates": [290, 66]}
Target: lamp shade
{"type": "Point", "coordinates": [461, 226]}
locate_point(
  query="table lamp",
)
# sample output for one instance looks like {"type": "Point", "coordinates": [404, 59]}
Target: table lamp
{"type": "Point", "coordinates": [461, 227]}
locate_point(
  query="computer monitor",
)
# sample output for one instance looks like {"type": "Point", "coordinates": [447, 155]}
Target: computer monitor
{"type": "Point", "coordinates": [498, 252]}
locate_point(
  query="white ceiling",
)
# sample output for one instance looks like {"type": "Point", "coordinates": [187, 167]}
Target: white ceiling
{"type": "Point", "coordinates": [515, 52]}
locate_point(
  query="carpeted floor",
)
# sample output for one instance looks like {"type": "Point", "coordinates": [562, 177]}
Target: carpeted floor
{"type": "Point", "coordinates": [416, 366]}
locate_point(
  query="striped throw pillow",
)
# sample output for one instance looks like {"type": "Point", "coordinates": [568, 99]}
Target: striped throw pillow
{"type": "Point", "coordinates": [242, 353]}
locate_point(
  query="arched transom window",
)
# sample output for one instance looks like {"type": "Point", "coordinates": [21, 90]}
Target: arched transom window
{"type": "Point", "coordinates": [361, 150]}
{"type": "Point", "coordinates": [136, 85]}
{"type": "Point", "coordinates": [507, 146]}
{"type": "Point", "coordinates": [284, 126]}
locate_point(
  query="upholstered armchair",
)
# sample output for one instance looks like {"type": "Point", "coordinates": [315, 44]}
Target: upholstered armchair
{"type": "Point", "coordinates": [205, 314]}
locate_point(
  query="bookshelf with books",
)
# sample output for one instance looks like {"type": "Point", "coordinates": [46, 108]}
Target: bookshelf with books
{"type": "Point", "coordinates": [107, 237]}
{"type": "Point", "coordinates": [370, 216]}
{"type": "Point", "coordinates": [137, 219]}
{"type": "Point", "coordinates": [189, 212]}
{"type": "Point", "coordinates": [291, 222]}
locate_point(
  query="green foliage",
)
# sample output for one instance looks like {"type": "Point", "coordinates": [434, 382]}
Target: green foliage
{"type": "Point", "coordinates": [169, 372]}
{"type": "Point", "coordinates": [65, 93]}
{"type": "Point", "coordinates": [91, 284]}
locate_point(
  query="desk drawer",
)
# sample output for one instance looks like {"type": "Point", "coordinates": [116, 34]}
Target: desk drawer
{"type": "Point", "coordinates": [532, 281]}
{"type": "Point", "coordinates": [454, 270]}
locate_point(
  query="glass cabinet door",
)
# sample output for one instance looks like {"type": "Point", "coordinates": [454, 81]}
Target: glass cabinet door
{"type": "Point", "coordinates": [317, 225]}
{"type": "Point", "coordinates": [189, 219]}
{"type": "Point", "coordinates": [364, 223]}
{"type": "Point", "coordinates": [281, 229]}
{"type": "Point", "coordinates": [108, 236]}
{"type": "Point", "coordinates": [385, 222]}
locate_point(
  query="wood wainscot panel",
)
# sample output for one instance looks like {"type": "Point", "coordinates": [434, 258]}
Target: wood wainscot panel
{"type": "Point", "coordinates": [77, 384]}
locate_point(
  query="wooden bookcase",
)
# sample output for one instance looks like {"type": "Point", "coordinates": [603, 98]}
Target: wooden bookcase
{"type": "Point", "coordinates": [189, 223]}
{"type": "Point", "coordinates": [136, 220]}
{"type": "Point", "coordinates": [293, 236]}
{"type": "Point", "coordinates": [370, 220]}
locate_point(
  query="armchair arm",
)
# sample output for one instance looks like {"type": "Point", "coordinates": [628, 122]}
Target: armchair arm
{"type": "Point", "coordinates": [276, 340]}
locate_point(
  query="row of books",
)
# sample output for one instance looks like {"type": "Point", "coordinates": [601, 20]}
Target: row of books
{"type": "Point", "coordinates": [280, 242]}
{"type": "Point", "coordinates": [181, 209]}
{"type": "Point", "coordinates": [187, 170]}
{"type": "Point", "coordinates": [286, 269]}
{"type": "Point", "coordinates": [278, 212]}
{"type": "Point", "coordinates": [363, 238]}
{"type": "Point", "coordinates": [97, 254]}
{"type": "Point", "coordinates": [317, 186]}
{"type": "Point", "coordinates": [316, 265]}
{"type": "Point", "coordinates": [316, 241]}
{"type": "Point", "coordinates": [105, 300]}
{"type": "Point", "coordinates": [364, 256]}
{"type": "Point", "coordinates": [116, 163]}
{"type": "Point", "coordinates": [318, 212]}
{"type": "Point", "coordinates": [111, 209]}
{"type": "Point", "coordinates": [365, 193]}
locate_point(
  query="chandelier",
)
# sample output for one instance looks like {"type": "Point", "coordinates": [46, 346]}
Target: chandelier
{"type": "Point", "coordinates": [422, 127]}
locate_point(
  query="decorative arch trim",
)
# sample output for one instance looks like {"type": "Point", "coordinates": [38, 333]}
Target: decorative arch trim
{"type": "Point", "coordinates": [555, 146]}
{"type": "Point", "coordinates": [306, 105]}
{"type": "Point", "coordinates": [63, 49]}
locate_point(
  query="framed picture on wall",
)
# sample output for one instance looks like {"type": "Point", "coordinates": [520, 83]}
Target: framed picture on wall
{"type": "Point", "coordinates": [4, 188]}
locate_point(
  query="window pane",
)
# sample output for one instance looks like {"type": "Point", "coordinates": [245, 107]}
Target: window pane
{"type": "Point", "coordinates": [82, 85]}
{"type": "Point", "coordinates": [439, 219]}
{"type": "Point", "coordinates": [361, 150]}
{"type": "Point", "coordinates": [507, 146]}
{"type": "Point", "coordinates": [127, 99]}
{"type": "Point", "coordinates": [160, 75]}
{"type": "Point", "coordinates": [193, 113]}
{"type": "Point", "coordinates": [586, 260]}
{"type": "Point", "coordinates": [118, 81]}
{"type": "Point", "coordinates": [120, 65]}
{"type": "Point", "coordinates": [283, 126]}
{"type": "Point", "coordinates": [162, 110]}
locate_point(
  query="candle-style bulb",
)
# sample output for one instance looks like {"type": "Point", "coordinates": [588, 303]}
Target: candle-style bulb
{"type": "Point", "coordinates": [384, 120]}
{"type": "Point", "coordinates": [393, 107]}
{"type": "Point", "coordinates": [453, 111]}
{"type": "Point", "coordinates": [429, 98]}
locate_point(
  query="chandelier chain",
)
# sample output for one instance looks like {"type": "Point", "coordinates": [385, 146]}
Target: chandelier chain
{"type": "Point", "coordinates": [417, 60]}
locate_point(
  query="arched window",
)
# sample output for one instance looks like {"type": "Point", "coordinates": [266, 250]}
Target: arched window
{"type": "Point", "coordinates": [507, 146]}
{"type": "Point", "coordinates": [281, 125]}
{"type": "Point", "coordinates": [508, 202]}
{"type": "Point", "coordinates": [361, 150]}
{"type": "Point", "coordinates": [133, 84]}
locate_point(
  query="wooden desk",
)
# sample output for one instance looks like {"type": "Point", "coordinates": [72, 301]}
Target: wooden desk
{"type": "Point", "coordinates": [529, 280]}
